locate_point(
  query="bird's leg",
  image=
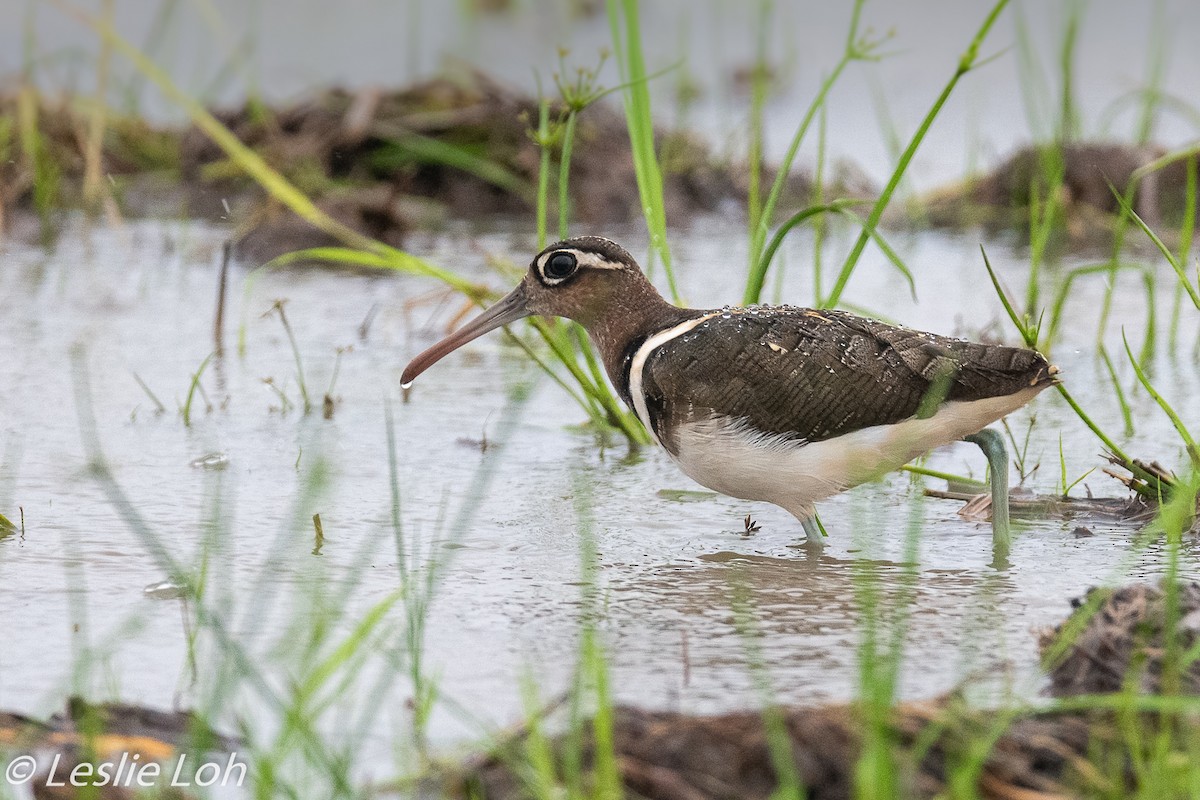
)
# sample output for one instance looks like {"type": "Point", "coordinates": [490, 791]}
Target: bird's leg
{"type": "Point", "coordinates": [992, 445]}
{"type": "Point", "coordinates": [812, 530]}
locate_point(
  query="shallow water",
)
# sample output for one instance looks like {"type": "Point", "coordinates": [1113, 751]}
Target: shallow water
{"type": "Point", "coordinates": [504, 520]}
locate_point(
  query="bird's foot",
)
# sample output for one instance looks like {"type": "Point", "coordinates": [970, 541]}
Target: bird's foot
{"type": "Point", "coordinates": [812, 530]}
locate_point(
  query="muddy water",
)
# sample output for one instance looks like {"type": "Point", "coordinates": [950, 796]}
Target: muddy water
{"type": "Point", "coordinates": [505, 520]}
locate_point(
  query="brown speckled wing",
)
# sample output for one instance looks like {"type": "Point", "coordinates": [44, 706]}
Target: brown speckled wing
{"type": "Point", "coordinates": [814, 375]}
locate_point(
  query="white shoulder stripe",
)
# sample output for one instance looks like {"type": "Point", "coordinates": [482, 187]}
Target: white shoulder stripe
{"type": "Point", "coordinates": [639, 362]}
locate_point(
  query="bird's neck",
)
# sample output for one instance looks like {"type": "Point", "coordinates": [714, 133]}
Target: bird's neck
{"type": "Point", "coordinates": [626, 322]}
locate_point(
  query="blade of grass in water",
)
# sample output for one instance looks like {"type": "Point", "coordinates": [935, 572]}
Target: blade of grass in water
{"type": "Point", "coordinates": [854, 50]}
{"type": "Point", "coordinates": [593, 666]}
{"type": "Point", "coordinates": [1030, 335]}
{"type": "Point", "coordinates": [1063, 293]}
{"type": "Point", "coordinates": [39, 163]}
{"type": "Point", "coordinates": [880, 658]}
{"type": "Point", "coordinates": [1124, 219]}
{"type": "Point", "coordinates": [968, 61]}
{"type": "Point", "coordinates": [1032, 80]}
{"type": "Point", "coordinates": [1155, 73]}
{"type": "Point", "coordinates": [187, 406]}
{"type": "Point", "coordinates": [843, 206]}
{"type": "Point", "coordinates": [627, 44]}
{"type": "Point", "coordinates": [287, 328]}
{"type": "Point", "coordinates": [1122, 401]}
{"type": "Point", "coordinates": [1192, 291]}
{"type": "Point", "coordinates": [544, 140]}
{"type": "Point", "coordinates": [1180, 427]}
{"type": "Point", "coordinates": [1068, 121]}
{"type": "Point", "coordinates": [759, 83]}
{"type": "Point", "coordinates": [946, 476]}
{"type": "Point", "coordinates": [1044, 216]}
{"type": "Point", "coordinates": [564, 174]}
{"type": "Point", "coordinates": [779, 739]}
{"type": "Point", "coordinates": [93, 177]}
{"type": "Point", "coordinates": [576, 96]}
{"type": "Point", "coordinates": [758, 276]}
{"type": "Point", "coordinates": [1187, 230]}
{"type": "Point", "coordinates": [820, 226]}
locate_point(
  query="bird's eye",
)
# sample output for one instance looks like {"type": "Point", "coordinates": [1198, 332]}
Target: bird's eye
{"type": "Point", "coordinates": [559, 266]}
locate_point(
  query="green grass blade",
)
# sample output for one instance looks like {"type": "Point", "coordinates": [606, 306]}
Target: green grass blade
{"type": "Point", "coordinates": [1010, 308]}
{"type": "Point", "coordinates": [1123, 402]}
{"type": "Point", "coordinates": [627, 44]}
{"type": "Point", "coordinates": [407, 147]}
{"type": "Point", "coordinates": [543, 139]}
{"type": "Point", "coordinates": [1157, 50]}
{"type": "Point", "coordinates": [1191, 290]}
{"type": "Point", "coordinates": [245, 158]}
{"type": "Point", "coordinates": [1180, 427]}
{"type": "Point", "coordinates": [1063, 293]}
{"type": "Point", "coordinates": [329, 666]}
{"type": "Point", "coordinates": [888, 251]}
{"type": "Point", "coordinates": [966, 63]}
{"type": "Point", "coordinates": [187, 405]}
{"type": "Point", "coordinates": [389, 259]}
{"type": "Point", "coordinates": [758, 275]}
{"type": "Point", "coordinates": [564, 175]}
{"type": "Point", "coordinates": [759, 83]}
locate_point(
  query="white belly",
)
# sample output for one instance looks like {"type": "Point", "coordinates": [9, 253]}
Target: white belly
{"type": "Point", "coordinates": [726, 455]}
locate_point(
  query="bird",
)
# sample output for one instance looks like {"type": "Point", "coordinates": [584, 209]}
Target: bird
{"type": "Point", "coordinates": [780, 404]}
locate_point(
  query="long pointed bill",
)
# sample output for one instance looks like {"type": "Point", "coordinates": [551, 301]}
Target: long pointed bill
{"type": "Point", "coordinates": [508, 309]}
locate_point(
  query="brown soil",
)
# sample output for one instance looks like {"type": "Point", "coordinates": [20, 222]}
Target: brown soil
{"type": "Point", "coordinates": [672, 756]}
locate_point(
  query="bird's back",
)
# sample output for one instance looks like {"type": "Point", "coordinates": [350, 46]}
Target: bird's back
{"type": "Point", "coordinates": [814, 375]}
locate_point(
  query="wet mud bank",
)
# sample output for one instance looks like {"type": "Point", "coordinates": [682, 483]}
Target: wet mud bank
{"type": "Point", "coordinates": [381, 162]}
{"type": "Point", "coordinates": [1113, 640]}
{"type": "Point", "coordinates": [464, 146]}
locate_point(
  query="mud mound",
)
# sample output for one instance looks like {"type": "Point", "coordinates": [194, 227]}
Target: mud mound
{"type": "Point", "coordinates": [465, 144]}
{"type": "Point", "coordinates": [1077, 176]}
{"type": "Point", "coordinates": [1119, 635]}
{"type": "Point", "coordinates": [668, 756]}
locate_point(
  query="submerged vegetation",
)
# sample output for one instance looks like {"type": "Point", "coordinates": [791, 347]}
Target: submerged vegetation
{"type": "Point", "coordinates": [308, 674]}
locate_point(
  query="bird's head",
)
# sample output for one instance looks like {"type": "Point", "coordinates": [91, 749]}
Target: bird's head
{"type": "Point", "coordinates": [581, 279]}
